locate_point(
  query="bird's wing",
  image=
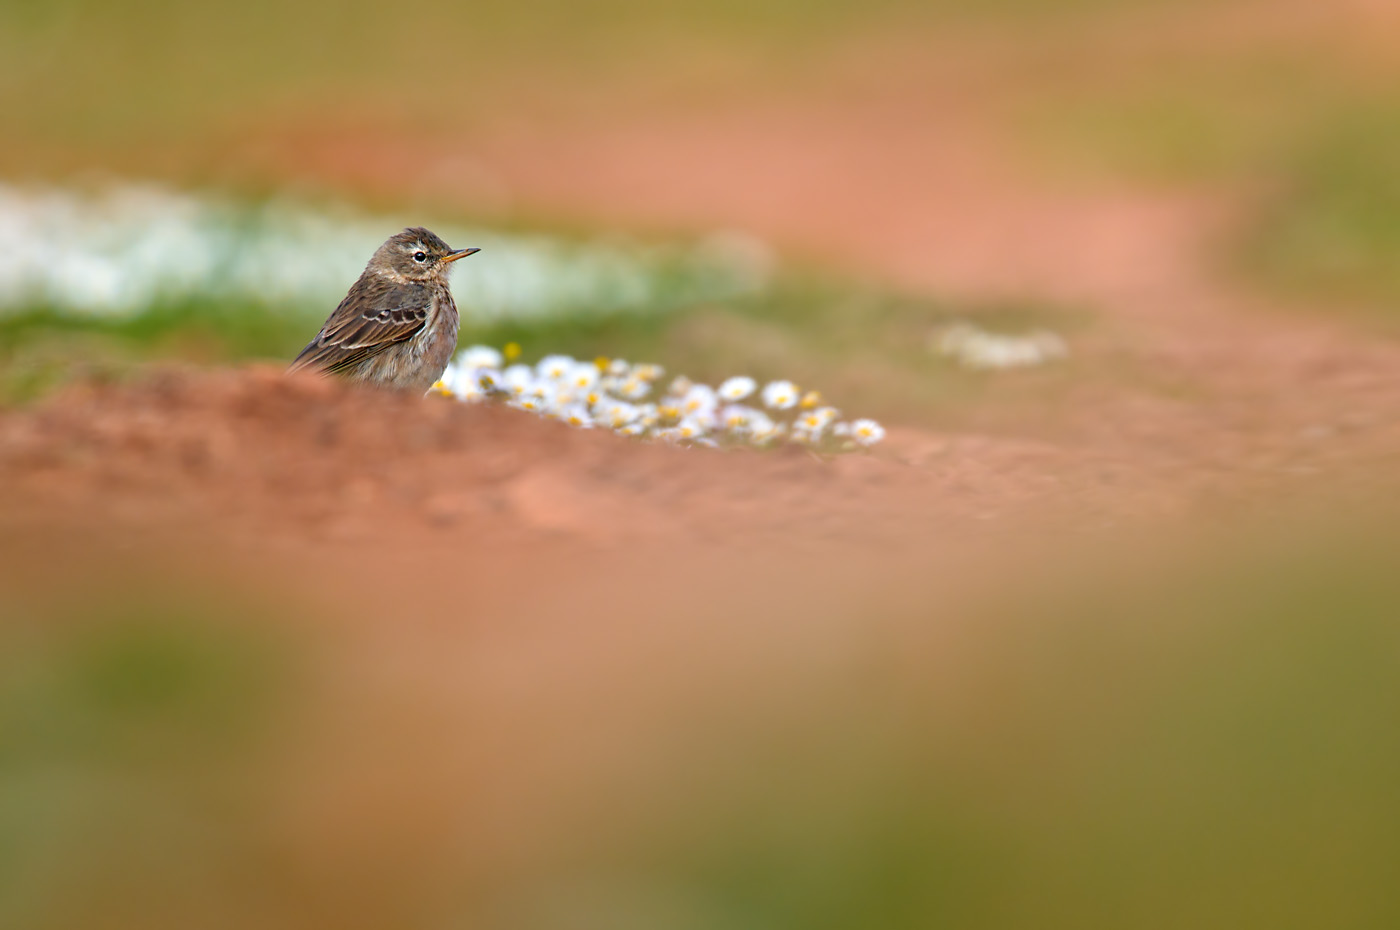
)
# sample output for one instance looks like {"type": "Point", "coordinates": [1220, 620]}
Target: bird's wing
{"type": "Point", "coordinates": [373, 316]}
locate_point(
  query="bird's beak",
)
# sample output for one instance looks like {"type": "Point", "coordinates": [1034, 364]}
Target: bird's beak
{"type": "Point", "coordinates": [460, 253]}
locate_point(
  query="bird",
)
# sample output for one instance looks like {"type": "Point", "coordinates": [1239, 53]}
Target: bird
{"type": "Point", "coordinates": [397, 326]}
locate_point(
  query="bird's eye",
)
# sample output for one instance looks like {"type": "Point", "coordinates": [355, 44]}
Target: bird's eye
{"type": "Point", "coordinates": [420, 257]}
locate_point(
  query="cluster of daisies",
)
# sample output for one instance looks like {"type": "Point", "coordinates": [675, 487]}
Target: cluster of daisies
{"type": "Point", "coordinates": [636, 400]}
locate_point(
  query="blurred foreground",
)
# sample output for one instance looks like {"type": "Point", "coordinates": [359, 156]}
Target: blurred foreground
{"type": "Point", "coordinates": [549, 678]}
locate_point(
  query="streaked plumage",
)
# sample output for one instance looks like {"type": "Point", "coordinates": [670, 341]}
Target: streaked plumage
{"type": "Point", "coordinates": [397, 327]}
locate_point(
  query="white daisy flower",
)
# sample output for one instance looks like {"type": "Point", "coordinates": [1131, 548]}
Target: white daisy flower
{"type": "Point", "coordinates": [517, 380]}
{"type": "Point", "coordinates": [449, 376]}
{"type": "Point", "coordinates": [615, 413]}
{"type": "Point", "coordinates": [530, 403]}
{"type": "Point", "coordinates": [780, 395]}
{"type": "Point", "coordinates": [582, 376]}
{"type": "Point", "coordinates": [689, 428]}
{"type": "Point", "coordinates": [760, 426]}
{"type": "Point", "coordinates": [480, 357]}
{"type": "Point", "coordinates": [648, 372]}
{"type": "Point", "coordinates": [814, 423]}
{"type": "Point", "coordinates": [464, 383]}
{"type": "Point", "coordinates": [736, 417]}
{"type": "Point", "coordinates": [488, 379]}
{"type": "Point", "coordinates": [680, 386]}
{"type": "Point", "coordinates": [576, 415]}
{"type": "Point", "coordinates": [555, 367]}
{"type": "Point", "coordinates": [867, 432]}
{"type": "Point", "coordinates": [980, 349]}
{"type": "Point", "coordinates": [700, 398]}
{"type": "Point", "coordinates": [767, 431]}
{"type": "Point", "coordinates": [737, 388]}
{"type": "Point", "coordinates": [632, 429]}
{"type": "Point", "coordinates": [632, 387]}
{"type": "Point", "coordinates": [618, 368]}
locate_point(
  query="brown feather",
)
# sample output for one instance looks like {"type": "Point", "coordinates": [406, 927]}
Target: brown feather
{"type": "Point", "coordinates": [376, 314]}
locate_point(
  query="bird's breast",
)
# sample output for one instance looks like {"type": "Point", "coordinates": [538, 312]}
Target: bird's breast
{"type": "Point", "coordinates": [438, 339]}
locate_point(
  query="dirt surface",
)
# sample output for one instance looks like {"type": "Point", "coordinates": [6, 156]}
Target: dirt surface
{"type": "Point", "coordinates": [265, 456]}
{"type": "Point", "coordinates": [265, 460]}
{"type": "Point", "coordinates": [891, 169]}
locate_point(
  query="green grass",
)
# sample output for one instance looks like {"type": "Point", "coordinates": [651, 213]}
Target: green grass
{"type": "Point", "coordinates": [1179, 113]}
{"type": "Point", "coordinates": [1324, 221]}
{"type": "Point", "coordinates": [1333, 228]}
{"type": "Point", "coordinates": [131, 724]}
{"type": "Point", "coordinates": [43, 349]}
{"type": "Point", "coordinates": [1308, 142]}
{"type": "Point", "coordinates": [866, 349]}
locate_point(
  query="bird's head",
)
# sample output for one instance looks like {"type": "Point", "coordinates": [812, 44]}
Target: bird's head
{"type": "Point", "coordinates": [416, 255]}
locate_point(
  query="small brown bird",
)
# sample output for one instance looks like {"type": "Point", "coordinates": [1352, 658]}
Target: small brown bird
{"type": "Point", "coordinates": [397, 328]}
